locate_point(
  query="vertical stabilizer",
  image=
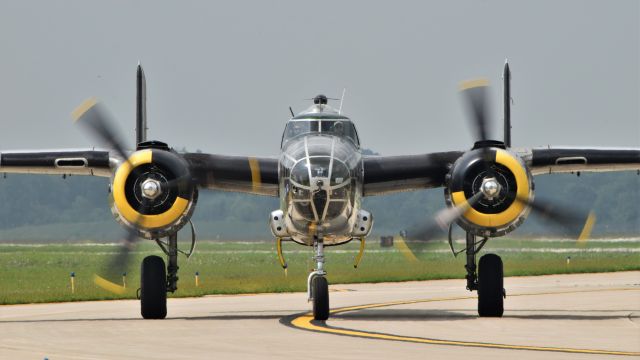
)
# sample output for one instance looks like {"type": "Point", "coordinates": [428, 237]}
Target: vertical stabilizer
{"type": "Point", "coordinates": [141, 106]}
{"type": "Point", "coordinates": [506, 78]}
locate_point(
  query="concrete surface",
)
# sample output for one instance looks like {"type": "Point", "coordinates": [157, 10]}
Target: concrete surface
{"type": "Point", "coordinates": [599, 312]}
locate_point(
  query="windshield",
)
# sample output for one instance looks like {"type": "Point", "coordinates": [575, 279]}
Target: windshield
{"type": "Point", "coordinates": [336, 127]}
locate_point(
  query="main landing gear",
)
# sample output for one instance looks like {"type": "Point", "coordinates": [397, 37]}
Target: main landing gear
{"type": "Point", "coordinates": [155, 282]}
{"type": "Point", "coordinates": [488, 281]}
{"type": "Point", "coordinates": [317, 285]}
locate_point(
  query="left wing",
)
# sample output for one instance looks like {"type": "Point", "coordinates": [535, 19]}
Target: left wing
{"type": "Point", "coordinates": [389, 174]}
{"type": "Point", "coordinates": [567, 159]}
{"type": "Point", "coordinates": [75, 162]}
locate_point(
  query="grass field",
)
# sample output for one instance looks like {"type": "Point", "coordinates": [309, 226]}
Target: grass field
{"type": "Point", "coordinates": [40, 273]}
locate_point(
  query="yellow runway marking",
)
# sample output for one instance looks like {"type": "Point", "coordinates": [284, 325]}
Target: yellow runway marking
{"type": "Point", "coordinates": [306, 322]}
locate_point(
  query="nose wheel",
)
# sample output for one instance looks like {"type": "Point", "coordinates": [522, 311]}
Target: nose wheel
{"type": "Point", "coordinates": [320, 293]}
{"type": "Point", "coordinates": [317, 285]}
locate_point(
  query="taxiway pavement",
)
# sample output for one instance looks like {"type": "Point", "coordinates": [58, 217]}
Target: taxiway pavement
{"type": "Point", "coordinates": [592, 316]}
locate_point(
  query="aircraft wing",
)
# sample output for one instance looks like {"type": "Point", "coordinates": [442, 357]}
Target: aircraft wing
{"type": "Point", "coordinates": [74, 162]}
{"type": "Point", "coordinates": [253, 175]}
{"type": "Point", "coordinates": [550, 160]}
{"type": "Point", "coordinates": [389, 174]}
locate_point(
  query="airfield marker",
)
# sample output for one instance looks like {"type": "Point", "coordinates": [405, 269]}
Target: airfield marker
{"type": "Point", "coordinates": [72, 277]}
{"type": "Point", "coordinates": [568, 260]}
{"type": "Point", "coordinates": [197, 279]}
{"type": "Point", "coordinates": [124, 280]}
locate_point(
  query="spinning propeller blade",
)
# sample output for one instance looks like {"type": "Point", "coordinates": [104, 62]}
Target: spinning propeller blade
{"type": "Point", "coordinates": [475, 96]}
{"type": "Point", "coordinates": [474, 93]}
{"type": "Point", "coordinates": [96, 119]}
{"type": "Point", "coordinates": [569, 218]}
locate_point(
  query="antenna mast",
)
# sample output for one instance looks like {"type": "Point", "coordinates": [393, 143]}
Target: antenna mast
{"type": "Point", "coordinates": [344, 90]}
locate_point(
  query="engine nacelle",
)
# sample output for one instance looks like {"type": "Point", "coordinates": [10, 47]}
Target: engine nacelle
{"type": "Point", "coordinates": [499, 214]}
{"type": "Point", "coordinates": [153, 193]}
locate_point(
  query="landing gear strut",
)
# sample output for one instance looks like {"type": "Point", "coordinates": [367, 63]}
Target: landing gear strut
{"type": "Point", "coordinates": [488, 281]}
{"type": "Point", "coordinates": [317, 286]}
{"type": "Point", "coordinates": [155, 282]}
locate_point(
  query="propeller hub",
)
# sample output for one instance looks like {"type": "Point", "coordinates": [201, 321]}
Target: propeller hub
{"type": "Point", "coordinates": [151, 189]}
{"type": "Point", "coordinates": [490, 188]}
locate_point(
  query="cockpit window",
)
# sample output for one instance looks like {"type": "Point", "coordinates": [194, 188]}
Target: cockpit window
{"type": "Point", "coordinates": [295, 128]}
{"type": "Point", "coordinates": [337, 127]}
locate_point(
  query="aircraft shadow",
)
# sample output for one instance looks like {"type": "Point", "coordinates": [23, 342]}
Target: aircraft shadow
{"type": "Point", "coordinates": [374, 315]}
{"type": "Point", "coordinates": [221, 317]}
{"type": "Point", "coordinates": [453, 314]}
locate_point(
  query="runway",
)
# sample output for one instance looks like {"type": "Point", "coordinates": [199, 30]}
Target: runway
{"type": "Point", "coordinates": [552, 317]}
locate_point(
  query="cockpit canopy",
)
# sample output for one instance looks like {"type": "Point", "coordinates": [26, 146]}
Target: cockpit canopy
{"type": "Point", "coordinates": [339, 126]}
{"type": "Point", "coordinates": [320, 118]}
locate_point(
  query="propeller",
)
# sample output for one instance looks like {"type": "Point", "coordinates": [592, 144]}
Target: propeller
{"type": "Point", "coordinates": [475, 96]}
{"type": "Point", "coordinates": [97, 120]}
{"type": "Point", "coordinates": [100, 124]}
{"type": "Point", "coordinates": [441, 221]}
{"type": "Point", "coordinates": [568, 218]}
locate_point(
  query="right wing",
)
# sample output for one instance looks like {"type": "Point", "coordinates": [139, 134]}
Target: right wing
{"type": "Point", "coordinates": [247, 174]}
{"type": "Point", "coordinates": [57, 162]}
{"type": "Point", "coordinates": [254, 175]}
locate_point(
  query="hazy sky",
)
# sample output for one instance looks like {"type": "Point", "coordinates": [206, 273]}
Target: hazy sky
{"type": "Point", "coordinates": [221, 74]}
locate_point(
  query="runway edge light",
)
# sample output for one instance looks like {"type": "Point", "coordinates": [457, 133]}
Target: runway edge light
{"type": "Point", "coordinates": [72, 278]}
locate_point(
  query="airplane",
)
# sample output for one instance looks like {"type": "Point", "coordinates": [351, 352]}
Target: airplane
{"type": "Point", "coordinates": [320, 177]}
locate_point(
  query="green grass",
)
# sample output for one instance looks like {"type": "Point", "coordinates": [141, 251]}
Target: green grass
{"type": "Point", "coordinates": [41, 273]}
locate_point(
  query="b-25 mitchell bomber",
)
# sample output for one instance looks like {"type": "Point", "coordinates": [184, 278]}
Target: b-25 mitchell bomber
{"type": "Point", "coordinates": [320, 178]}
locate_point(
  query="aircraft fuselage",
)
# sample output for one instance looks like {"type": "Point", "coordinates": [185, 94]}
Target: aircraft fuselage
{"type": "Point", "coordinates": [320, 188]}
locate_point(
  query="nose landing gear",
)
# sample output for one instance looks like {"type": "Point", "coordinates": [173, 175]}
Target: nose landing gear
{"type": "Point", "coordinates": [488, 281]}
{"type": "Point", "coordinates": [317, 285]}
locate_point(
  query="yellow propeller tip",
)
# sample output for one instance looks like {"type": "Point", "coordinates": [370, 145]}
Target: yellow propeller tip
{"type": "Point", "coordinates": [587, 229]}
{"type": "Point", "coordinates": [83, 108]}
{"type": "Point", "coordinates": [399, 242]}
{"type": "Point", "coordinates": [470, 84]}
{"type": "Point", "coordinates": [108, 285]}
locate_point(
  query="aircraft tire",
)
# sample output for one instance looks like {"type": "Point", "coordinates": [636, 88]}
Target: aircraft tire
{"type": "Point", "coordinates": [320, 298]}
{"type": "Point", "coordinates": [153, 288]}
{"type": "Point", "coordinates": [490, 286]}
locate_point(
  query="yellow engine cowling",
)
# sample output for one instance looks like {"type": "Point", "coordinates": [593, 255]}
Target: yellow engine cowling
{"type": "Point", "coordinates": [501, 214]}
{"type": "Point", "coordinates": [174, 203]}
